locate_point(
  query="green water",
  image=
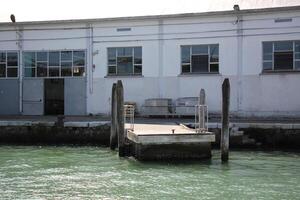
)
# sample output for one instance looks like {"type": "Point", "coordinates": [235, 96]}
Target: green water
{"type": "Point", "coordinates": [98, 173]}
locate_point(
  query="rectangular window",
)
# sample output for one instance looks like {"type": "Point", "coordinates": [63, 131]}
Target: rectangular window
{"type": "Point", "coordinates": [54, 63]}
{"type": "Point", "coordinates": [12, 64]}
{"type": "Point", "coordinates": [200, 59]}
{"type": "Point", "coordinates": [78, 63]}
{"type": "Point", "coordinates": [54, 59]}
{"type": "Point", "coordinates": [281, 56]}
{"type": "Point", "coordinates": [12, 59]}
{"type": "Point", "coordinates": [9, 64]}
{"type": "Point", "coordinates": [41, 64]}
{"type": "Point", "coordinates": [66, 68]}
{"type": "Point", "coordinates": [297, 55]}
{"type": "Point", "coordinates": [200, 63]}
{"type": "Point", "coordinates": [124, 61]}
{"type": "Point", "coordinates": [66, 63]}
{"type": "Point", "coordinates": [283, 60]}
{"type": "Point", "coordinates": [2, 70]}
{"type": "Point", "coordinates": [29, 59]}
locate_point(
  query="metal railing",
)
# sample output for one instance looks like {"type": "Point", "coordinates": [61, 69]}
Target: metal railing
{"type": "Point", "coordinates": [129, 116]}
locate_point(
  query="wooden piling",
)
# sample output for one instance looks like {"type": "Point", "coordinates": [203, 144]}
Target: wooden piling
{"type": "Point", "coordinates": [113, 129]}
{"type": "Point", "coordinates": [202, 111]}
{"type": "Point", "coordinates": [120, 118]}
{"type": "Point", "coordinates": [225, 120]}
{"type": "Point", "coordinates": [202, 97]}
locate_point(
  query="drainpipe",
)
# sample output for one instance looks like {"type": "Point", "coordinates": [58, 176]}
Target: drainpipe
{"type": "Point", "coordinates": [90, 57]}
{"type": "Point", "coordinates": [89, 66]}
{"type": "Point", "coordinates": [160, 57]}
{"type": "Point", "coordinates": [239, 32]}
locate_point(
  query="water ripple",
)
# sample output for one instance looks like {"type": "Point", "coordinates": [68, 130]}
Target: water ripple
{"type": "Point", "coordinates": [98, 173]}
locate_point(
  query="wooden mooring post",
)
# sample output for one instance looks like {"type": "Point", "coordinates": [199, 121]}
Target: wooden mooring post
{"type": "Point", "coordinates": [117, 131]}
{"type": "Point", "coordinates": [120, 119]}
{"type": "Point", "coordinates": [202, 111]}
{"type": "Point", "coordinates": [225, 120]}
{"type": "Point", "coordinates": [113, 129]}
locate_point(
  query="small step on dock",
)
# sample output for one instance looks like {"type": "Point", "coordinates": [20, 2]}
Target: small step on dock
{"type": "Point", "coordinates": [168, 141]}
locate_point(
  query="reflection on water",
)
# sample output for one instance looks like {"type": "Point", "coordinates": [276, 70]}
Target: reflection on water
{"type": "Point", "coordinates": [98, 173]}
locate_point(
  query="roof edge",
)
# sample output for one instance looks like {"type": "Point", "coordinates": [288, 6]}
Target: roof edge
{"type": "Point", "coordinates": [156, 17]}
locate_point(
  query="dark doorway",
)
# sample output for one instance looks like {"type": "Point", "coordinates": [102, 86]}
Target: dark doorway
{"type": "Point", "coordinates": [54, 96]}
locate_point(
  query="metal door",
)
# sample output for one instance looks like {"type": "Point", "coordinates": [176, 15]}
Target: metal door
{"type": "Point", "coordinates": [33, 96]}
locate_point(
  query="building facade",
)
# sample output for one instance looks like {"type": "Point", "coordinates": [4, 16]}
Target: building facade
{"type": "Point", "coordinates": [68, 67]}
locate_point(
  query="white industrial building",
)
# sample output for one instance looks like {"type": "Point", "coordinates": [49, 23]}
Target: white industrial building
{"type": "Point", "coordinates": [68, 66]}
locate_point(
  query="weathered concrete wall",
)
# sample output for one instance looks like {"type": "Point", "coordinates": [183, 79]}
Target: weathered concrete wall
{"type": "Point", "coordinates": [253, 93]}
{"type": "Point", "coordinates": [171, 151]}
{"type": "Point", "coordinates": [53, 135]}
{"type": "Point", "coordinates": [262, 138]}
{"type": "Point", "coordinates": [95, 133]}
{"type": "Point", "coordinates": [9, 97]}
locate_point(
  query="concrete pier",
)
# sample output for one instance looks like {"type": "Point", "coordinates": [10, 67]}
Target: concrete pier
{"type": "Point", "coordinates": [169, 141]}
{"type": "Point", "coordinates": [49, 133]}
{"type": "Point", "coordinates": [95, 130]}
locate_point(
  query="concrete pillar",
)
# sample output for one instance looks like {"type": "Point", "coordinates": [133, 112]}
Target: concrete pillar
{"type": "Point", "coordinates": [225, 120]}
{"type": "Point", "coordinates": [160, 58]}
{"type": "Point", "coordinates": [113, 129]}
{"type": "Point", "coordinates": [120, 118]}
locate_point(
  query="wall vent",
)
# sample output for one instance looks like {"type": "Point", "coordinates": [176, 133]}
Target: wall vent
{"type": "Point", "coordinates": [123, 29]}
{"type": "Point", "coordinates": [279, 20]}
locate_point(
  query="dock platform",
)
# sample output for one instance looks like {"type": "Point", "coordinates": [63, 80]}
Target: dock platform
{"type": "Point", "coordinates": [169, 141]}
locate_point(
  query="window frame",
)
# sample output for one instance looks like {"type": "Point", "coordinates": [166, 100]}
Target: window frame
{"type": "Point", "coordinates": [191, 54]}
{"type": "Point", "coordinates": [32, 67]}
{"type": "Point", "coordinates": [116, 61]}
{"type": "Point", "coordinates": [11, 67]}
{"type": "Point", "coordinates": [66, 61]}
{"type": "Point", "coordinates": [59, 67]}
{"type": "Point", "coordinates": [39, 61]}
{"type": "Point", "coordinates": [273, 57]}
